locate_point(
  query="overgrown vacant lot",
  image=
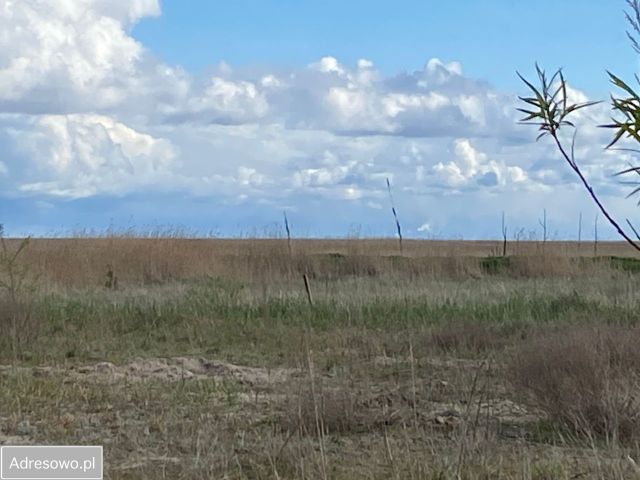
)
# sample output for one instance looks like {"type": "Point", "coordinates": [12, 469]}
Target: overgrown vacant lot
{"type": "Point", "coordinates": [203, 359]}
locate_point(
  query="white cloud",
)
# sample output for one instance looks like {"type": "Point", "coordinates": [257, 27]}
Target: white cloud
{"type": "Point", "coordinates": [78, 57]}
{"type": "Point", "coordinates": [364, 64]}
{"type": "Point", "coordinates": [516, 174]}
{"type": "Point", "coordinates": [81, 155]}
{"type": "Point", "coordinates": [86, 110]}
{"type": "Point", "coordinates": [318, 177]}
{"type": "Point", "coordinates": [250, 177]}
{"type": "Point", "coordinates": [270, 80]}
{"type": "Point", "coordinates": [347, 103]}
{"type": "Point", "coordinates": [222, 101]}
{"type": "Point", "coordinates": [471, 164]}
{"type": "Point", "coordinates": [435, 66]}
{"type": "Point", "coordinates": [51, 51]}
{"type": "Point", "coordinates": [472, 107]}
{"type": "Point", "coordinates": [469, 158]}
{"type": "Point", "coordinates": [328, 65]}
{"type": "Point", "coordinates": [396, 103]}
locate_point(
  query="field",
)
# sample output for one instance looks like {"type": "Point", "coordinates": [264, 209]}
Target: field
{"type": "Point", "coordinates": [199, 359]}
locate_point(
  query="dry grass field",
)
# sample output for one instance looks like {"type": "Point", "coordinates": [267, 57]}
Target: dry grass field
{"type": "Point", "coordinates": [200, 359]}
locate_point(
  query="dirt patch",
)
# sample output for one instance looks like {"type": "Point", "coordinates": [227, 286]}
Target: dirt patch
{"type": "Point", "coordinates": [168, 369]}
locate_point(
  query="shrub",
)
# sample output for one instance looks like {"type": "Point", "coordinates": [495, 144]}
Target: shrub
{"type": "Point", "coordinates": [333, 410]}
{"type": "Point", "coordinates": [466, 337]}
{"type": "Point", "coordinates": [16, 288]}
{"type": "Point", "coordinates": [587, 379]}
{"type": "Point", "coordinates": [495, 265]}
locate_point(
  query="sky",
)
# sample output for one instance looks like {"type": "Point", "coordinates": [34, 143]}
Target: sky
{"type": "Point", "coordinates": [215, 118]}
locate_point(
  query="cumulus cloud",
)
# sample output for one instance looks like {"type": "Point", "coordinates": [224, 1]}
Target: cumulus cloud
{"type": "Point", "coordinates": [250, 177]}
{"type": "Point", "coordinates": [434, 101]}
{"type": "Point", "coordinates": [72, 51]}
{"type": "Point", "coordinates": [80, 155]}
{"type": "Point", "coordinates": [328, 65]}
{"type": "Point", "coordinates": [222, 101]}
{"type": "Point", "coordinates": [471, 164]}
{"type": "Point", "coordinates": [85, 110]}
{"type": "Point", "coordinates": [77, 56]}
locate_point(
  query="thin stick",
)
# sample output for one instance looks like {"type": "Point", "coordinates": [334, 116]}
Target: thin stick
{"type": "Point", "coordinates": [390, 453]}
{"type": "Point", "coordinates": [286, 227]}
{"type": "Point", "coordinates": [633, 228]}
{"type": "Point", "coordinates": [307, 287]}
{"type": "Point", "coordinates": [543, 224]}
{"type": "Point", "coordinates": [592, 194]}
{"type": "Point", "coordinates": [504, 237]}
{"type": "Point", "coordinates": [595, 240]}
{"type": "Point", "coordinates": [413, 385]}
{"type": "Point", "coordinates": [395, 215]}
{"type": "Point", "coordinates": [464, 440]}
{"type": "Point", "coordinates": [316, 411]}
{"type": "Point", "coordinates": [579, 231]}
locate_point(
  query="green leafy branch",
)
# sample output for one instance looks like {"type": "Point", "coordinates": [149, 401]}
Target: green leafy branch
{"type": "Point", "coordinates": [550, 109]}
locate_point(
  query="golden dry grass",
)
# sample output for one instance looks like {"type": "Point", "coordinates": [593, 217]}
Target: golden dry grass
{"type": "Point", "coordinates": [205, 359]}
{"type": "Point", "coordinates": [82, 261]}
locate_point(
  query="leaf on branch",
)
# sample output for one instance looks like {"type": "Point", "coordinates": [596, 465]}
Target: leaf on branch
{"type": "Point", "coordinates": [550, 103]}
{"type": "Point", "coordinates": [634, 22]}
{"type": "Point", "coordinates": [618, 82]}
{"type": "Point", "coordinates": [633, 192]}
{"type": "Point", "coordinates": [628, 107]}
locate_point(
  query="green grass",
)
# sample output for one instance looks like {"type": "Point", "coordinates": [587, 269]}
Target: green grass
{"type": "Point", "coordinates": [626, 264]}
{"type": "Point", "coordinates": [495, 265]}
{"type": "Point", "coordinates": [388, 348]}
{"type": "Point", "coordinates": [223, 317]}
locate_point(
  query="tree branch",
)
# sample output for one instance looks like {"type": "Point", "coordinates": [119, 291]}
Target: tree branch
{"type": "Point", "coordinates": [592, 194]}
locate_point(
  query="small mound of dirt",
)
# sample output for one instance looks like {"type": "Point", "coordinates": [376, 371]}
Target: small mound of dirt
{"type": "Point", "coordinates": [182, 368]}
{"type": "Point", "coordinates": [169, 369]}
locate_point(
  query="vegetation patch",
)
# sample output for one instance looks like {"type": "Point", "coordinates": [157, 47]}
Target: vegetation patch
{"type": "Point", "coordinates": [495, 265]}
{"type": "Point", "coordinates": [396, 369]}
{"type": "Point", "coordinates": [586, 379]}
{"type": "Point", "coordinates": [626, 264]}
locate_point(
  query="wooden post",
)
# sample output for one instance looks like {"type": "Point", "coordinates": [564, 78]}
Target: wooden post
{"type": "Point", "coordinates": [595, 235]}
{"type": "Point", "coordinates": [543, 224]}
{"type": "Point", "coordinates": [307, 287]}
{"type": "Point", "coordinates": [504, 237]}
{"type": "Point", "coordinates": [579, 232]}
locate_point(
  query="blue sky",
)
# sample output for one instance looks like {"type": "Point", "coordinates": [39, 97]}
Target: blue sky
{"type": "Point", "coordinates": [215, 117]}
{"type": "Point", "coordinates": [490, 38]}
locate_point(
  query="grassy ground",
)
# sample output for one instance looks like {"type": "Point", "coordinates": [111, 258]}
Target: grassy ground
{"type": "Point", "coordinates": [205, 359]}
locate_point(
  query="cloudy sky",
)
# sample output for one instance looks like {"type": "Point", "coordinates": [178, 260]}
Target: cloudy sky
{"type": "Point", "coordinates": [215, 117]}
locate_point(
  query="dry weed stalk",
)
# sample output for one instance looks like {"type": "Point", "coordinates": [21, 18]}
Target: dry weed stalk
{"type": "Point", "coordinates": [288, 231]}
{"type": "Point", "coordinates": [320, 430]}
{"type": "Point", "coordinates": [579, 232]}
{"type": "Point", "coordinates": [504, 236]}
{"type": "Point", "coordinates": [395, 216]}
